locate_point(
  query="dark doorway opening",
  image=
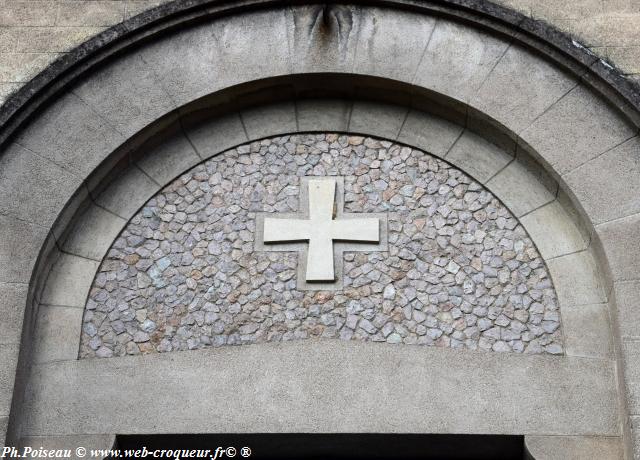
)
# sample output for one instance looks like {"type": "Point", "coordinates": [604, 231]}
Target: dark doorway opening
{"type": "Point", "coordinates": [341, 446]}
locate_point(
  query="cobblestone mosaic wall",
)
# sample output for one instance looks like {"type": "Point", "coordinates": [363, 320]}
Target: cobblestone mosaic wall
{"type": "Point", "coordinates": [460, 272]}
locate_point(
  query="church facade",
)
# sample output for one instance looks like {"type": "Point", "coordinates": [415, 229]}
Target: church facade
{"type": "Point", "coordinates": [258, 217]}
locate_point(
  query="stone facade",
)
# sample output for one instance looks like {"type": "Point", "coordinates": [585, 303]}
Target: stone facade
{"type": "Point", "coordinates": [460, 270]}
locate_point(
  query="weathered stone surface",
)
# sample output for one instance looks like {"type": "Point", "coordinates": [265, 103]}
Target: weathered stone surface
{"type": "Point", "coordinates": [520, 189]}
{"type": "Point", "coordinates": [627, 295]}
{"type": "Point", "coordinates": [576, 129]}
{"type": "Point", "coordinates": [214, 136]}
{"type": "Point", "coordinates": [12, 307]}
{"type": "Point", "coordinates": [33, 189]}
{"type": "Point", "coordinates": [460, 270]}
{"type": "Point", "coordinates": [586, 330]}
{"type": "Point", "coordinates": [127, 193]}
{"type": "Point", "coordinates": [93, 232]}
{"type": "Point", "coordinates": [287, 384]}
{"type": "Point", "coordinates": [429, 133]}
{"type": "Point", "coordinates": [71, 135]}
{"type": "Point", "coordinates": [323, 114]}
{"type": "Point", "coordinates": [69, 281]}
{"type": "Point", "coordinates": [477, 157]}
{"type": "Point", "coordinates": [403, 35]}
{"type": "Point", "coordinates": [554, 231]}
{"type": "Point", "coordinates": [9, 360]}
{"type": "Point", "coordinates": [385, 121]}
{"type": "Point", "coordinates": [631, 362]}
{"type": "Point", "coordinates": [163, 162]}
{"type": "Point", "coordinates": [57, 331]}
{"type": "Point", "coordinates": [458, 59]}
{"type": "Point", "coordinates": [19, 248]}
{"type": "Point", "coordinates": [574, 447]}
{"type": "Point", "coordinates": [270, 120]}
{"type": "Point", "coordinates": [127, 94]}
{"type": "Point", "coordinates": [619, 240]}
{"type": "Point", "coordinates": [604, 199]}
{"type": "Point", "coordinates": [520, 88]}
{"type": "Point", "coordinates": [576, 279]}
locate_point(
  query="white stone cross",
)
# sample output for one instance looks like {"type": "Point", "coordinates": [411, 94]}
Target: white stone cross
{"type": "Point", "coordinates": [320, 230]}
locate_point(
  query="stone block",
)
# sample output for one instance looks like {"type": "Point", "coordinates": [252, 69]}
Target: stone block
{"type": "Point", "coordinates": [21, 67]}
{"type": "Point", "coordinates": [608, 186]}
{"type": "Point", "coordinates": [69, 281]}
{"type": "Point", "coordinates": [285, 382]}
{"type": "Point", "coordinates": [327, 45]}
{"type": "Point", "coordinates": [576, 129]}
{"type": "Point", "coordinates": [553, 231]}
{"type": "Point", "coordinates": [9, 360]}
{"type": "Point", "coordinates": [52, 39]}
{"type": "Point", "coordinates": [391, 45]}
{"type": "Point", "coordinates": [619, 239]}
{"type": "Point", "coordinates": [382, 120]}
{"type": "Point", "coordinates": [475, 156]}
{"type": "Point", "coordinates": [631, 363]}
{"type": "Point", "coordinates": [429, 133]}
{"type": "Point", "coordinates": [587, 331]}
{"type": "Point", "coordinates": [323, 115]}
{"type": "Point", "coordinates": [270, 120]}
{"type": "Point", "coordinates": [33, 189]}
{"type": "Point", "coordinates": [71, 442]}
{"type": "Point", "coordinates": [93, 233]}
{"type": "Point", "coordinates": [168, 158]}
{"type": "Point", "coordinates": [57, 334]}
{"type": "Point", "coordinates": [627, 300]}
{"type": "Point", "coordinates": [98, 13]}
{"type": "Point", "coordinates": [72, 135]}
{"type": "Point", "coordinates": [520, 88]}
{"type": "Point", "coordinates": [127, 94]}
{"type": "Point", "coordinates": [4, 426]}
{"type": "Point", "coordinates": [128, 193]}
{"type": "Point", "coordinates": [521, 187]}
{"type": "Point", "coordinates": [575, 277]}
{"type": "Point", "coordinates": [222, 53]}
{"type": "Point", "coordinates": [214, 136]}
{"type": "Point", "coordinates": [20, 244]}
{"type": "Point", "coordinates": [574, 447]}
{"type": "Point", "coordinates": [28, 14]}
{"type": "Point", "coordinates": [458, 59]}
{"type": "Point", "coordinates": [13, 302]}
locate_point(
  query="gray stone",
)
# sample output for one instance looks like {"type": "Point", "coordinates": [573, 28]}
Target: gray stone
{"type": "Point", "coordinates": [12, 308]}
{"type": "Point", "coordinates": [619, 239]}
{"type": "Point", "coordinates": [169, 159]}
{"type": "Point", "coordinates": [57, 331]}
{"type": "Point", "coordinates": [505, 98]}
{"type": "Point", "coordinates": [554, 231]}
{"type": "Point", "coordinates": [602, 198]}
{"type": "Point", "coordinates": [576, 279]}
{"type": "Point", "coordinates": [212, 137]}
{"type": "Point", "coordinates": [401, 35]}
{"type": "Point", "coordinates": [300, 370]}
{"type": "Point", "coordinates": [33, 188]}
{"type": "Point", "coordinates": [477, 157]}
{"type": "Point", "coordinates": [574, 447]}
{"type": "Point", "coordinates": [520, 189]}
{"type": "Point", "coordinates": [458, 59]}
{"type": "Point", "coordinates": [69, 281]}
{"type": "Point", "coordinates": [576, 129]}
{"type": "Point", "coordinates": [126, 94]}
{"type": "Point", "coordinates": [270, 120]}
{"type": "Point", "coordinates": [627, 294]}
{"type": "Point", "coordinates": [429, 133]}
{"type": "Point", "coordinates": [92, 233]}
{"type": "Point", "coordinates": [323, 114]}
{"type": "Point", "coordinates": [127, 193]}
{"type": "Point", "coordinates": [587, 331]}
{"type": "Point", "coordinates": [385, 121]}
{"type": "Point", "coordinates": [19, 247]}
{"type": "Point", "coordinates": [71, 135]}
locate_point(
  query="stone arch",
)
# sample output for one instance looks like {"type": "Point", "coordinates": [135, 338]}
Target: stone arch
{"type": "Point", "coordinates": [70, 165]}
